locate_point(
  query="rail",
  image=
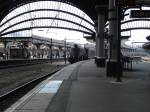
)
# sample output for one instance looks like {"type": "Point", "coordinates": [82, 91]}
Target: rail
{"type": "Point", "coordinates": [23, 89]}
{"type": "Point", "coordinates": [23, 62]}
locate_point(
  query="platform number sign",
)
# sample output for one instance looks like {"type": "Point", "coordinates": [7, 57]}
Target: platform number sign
{"type": "Point", "coordinates": [140, 14]}
{"type": "Point", "coordinates": [126, 2]}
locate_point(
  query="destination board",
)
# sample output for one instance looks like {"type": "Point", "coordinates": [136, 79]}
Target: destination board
{"type": "Point", "coordinates": [125, 2]}
{"type": "Point", "coordinates": [140, 14]}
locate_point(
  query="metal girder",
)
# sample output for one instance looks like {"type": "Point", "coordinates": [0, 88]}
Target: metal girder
{"type": "Point", "coordinates": [42, 18]}
{"type": "Point", "coordinates": [46, 10]}
{"type": "Point", "coordinates": [134, 20]}
{"type": "Point", "coordinates": [135, 28]}
{"type": "Point", "coordinates": [29, 28]}
{"type": "Point", "coordinates": [138, 26]}
{"type": "Point", "coordinates": [87, 6]}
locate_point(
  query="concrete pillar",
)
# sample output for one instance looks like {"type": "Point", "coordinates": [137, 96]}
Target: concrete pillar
{"type": "Point", "coordinates": [96, 46]}
{"type": "Point", "coordinates": [100, 59]}
{"type": "Point", "coordinates": [6, 50]}
{"type": "Point", "coordinates": [113, 63]}
{"type": "Point", "coordinates": [38, 51]}
{"type": "Point", "coordinates": [113, 29]}
{"type": "Point", "coordinates": [5, 44]}
{"type": "Point", "coordinates": [51, 49]}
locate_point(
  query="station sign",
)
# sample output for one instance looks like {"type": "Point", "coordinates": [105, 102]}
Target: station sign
{"type": "Point", "coordinates": [142, 1]}
{"type": "Point", "coordinates": [131, 2]}
{"type": "Point", "coordinates": [140, 14]}
{"type": "Point", "coordinates": [126, 2]}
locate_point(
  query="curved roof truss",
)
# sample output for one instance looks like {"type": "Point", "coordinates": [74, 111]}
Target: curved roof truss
{"type": "Point", "coordinates": [128, 24]}
{"type": "Point", "coordinates": [135, 24]}
{"type": "Point", "coordinates": [44, 18]}
{"type": "Point", "coordinates": [46, 14]}
{"type": "Point", "coordinates": [46, 10]}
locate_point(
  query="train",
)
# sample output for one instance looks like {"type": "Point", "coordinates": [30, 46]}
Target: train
{"type": "Point", "coordinates": [80, 53]}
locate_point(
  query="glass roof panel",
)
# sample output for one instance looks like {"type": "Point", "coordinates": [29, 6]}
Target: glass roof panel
{"type": "Point", "coordinates": [45, 23]}
{"type": "Point", "coordinates": [34, 15]}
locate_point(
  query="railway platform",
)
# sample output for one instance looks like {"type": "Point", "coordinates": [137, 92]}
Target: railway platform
{"type": "Point", "coordinates": [83, 87]}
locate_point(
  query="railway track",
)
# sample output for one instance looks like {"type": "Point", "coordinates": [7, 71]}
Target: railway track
{"type": "Point", "coordinates": [25, 62]}
{"type": "Point", "coordinates": [7, 99]}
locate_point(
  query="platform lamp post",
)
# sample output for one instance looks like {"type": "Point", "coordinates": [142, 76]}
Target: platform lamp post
{"type": "Point", "coordinates": [51, 55]}
{"type": "Point", "coordinates": [65, 50]}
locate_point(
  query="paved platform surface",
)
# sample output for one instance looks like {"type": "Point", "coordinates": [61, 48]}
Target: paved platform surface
{"type": "Point", "coordinates": [82, 87]}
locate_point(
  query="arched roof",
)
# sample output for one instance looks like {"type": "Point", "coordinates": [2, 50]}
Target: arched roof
{"type": "Point", "coordinates": [88, 6]}
{"type": "Point", "coordinates": [129, 23]}
{"type": "Point", "coordinates": [46, 14]}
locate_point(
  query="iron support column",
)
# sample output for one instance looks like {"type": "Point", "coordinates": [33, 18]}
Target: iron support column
{"type": "Point", "coordinates": [65, 51]}
{"type": "Point", "coordinates": [96, 46]}
{"type": "Point", "coordinates": [113, 63]}
{"type": "Point", "coordinates": [51, 49]}
{"type": "Point", "coordinates": [38, 51]}
{"type": "Point", "coordinates": [100, 60]}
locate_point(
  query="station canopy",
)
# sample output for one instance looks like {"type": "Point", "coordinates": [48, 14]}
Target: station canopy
{"type": "Point", "coordinates": [138, 22]}
{"type": "Point", "coordinates": [21, 21]}
{"type": "Point", "coordinates": [130, 23]}
{"type": "Point", "coordinates": [25, 17]}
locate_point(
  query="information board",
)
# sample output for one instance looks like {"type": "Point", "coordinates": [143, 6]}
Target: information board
{"type": "Point", "coordinates": [126, 2]}
{"type": "Point", "coordinates": [140, 14]}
